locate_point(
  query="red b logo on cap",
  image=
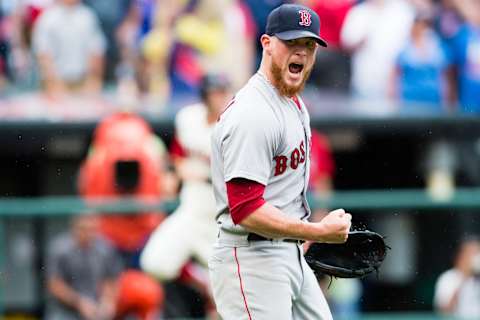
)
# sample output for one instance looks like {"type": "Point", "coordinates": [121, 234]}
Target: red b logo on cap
{"type": "Point", "coordinates": [305, 18]}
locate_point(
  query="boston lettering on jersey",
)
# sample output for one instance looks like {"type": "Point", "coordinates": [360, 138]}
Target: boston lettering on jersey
{"type": "Point", "coordinates": [296, 157]}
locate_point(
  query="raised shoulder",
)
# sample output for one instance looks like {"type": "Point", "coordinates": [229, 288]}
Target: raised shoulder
{"type": "Point", "coordinates": [251, 121]}
{"type": "Point", "coordinates": [253, 105]}
{"type": "Point", "coordinates": [190, 113]}
{"type": "Point", "coordinates": [252, 112]}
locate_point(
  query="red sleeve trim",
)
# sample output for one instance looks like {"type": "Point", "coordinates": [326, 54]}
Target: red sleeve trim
{"type": "Point", "coordinates": [176, 149]}
{"type": "Point", "coordinates": [244, 197]}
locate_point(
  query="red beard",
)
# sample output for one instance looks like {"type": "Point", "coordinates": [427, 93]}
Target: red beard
{"type": "Point", "coordinates": [282, 87]}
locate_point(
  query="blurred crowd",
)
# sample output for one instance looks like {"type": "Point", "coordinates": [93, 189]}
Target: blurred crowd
{"type": "Point", "coordinates": [148, 49]}
{"type": "Point", "coordinates": [417, 52]}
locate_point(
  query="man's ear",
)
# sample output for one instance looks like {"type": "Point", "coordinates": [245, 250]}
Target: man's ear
{"type": "Point", "coordinates": [266, 41]}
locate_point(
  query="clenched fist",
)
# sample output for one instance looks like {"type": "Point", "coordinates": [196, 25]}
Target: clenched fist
{"type": "Point", "coordinates": [334, 227]}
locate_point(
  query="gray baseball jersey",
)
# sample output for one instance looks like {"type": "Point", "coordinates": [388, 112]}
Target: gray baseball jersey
{"type": "Point", "coordinates": [264, 137]}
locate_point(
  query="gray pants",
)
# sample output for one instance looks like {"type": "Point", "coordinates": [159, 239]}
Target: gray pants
{"type": "Point", "coordinates": [265, 280]}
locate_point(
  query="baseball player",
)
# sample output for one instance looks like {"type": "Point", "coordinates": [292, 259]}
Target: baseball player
{"type": "Point", "coordinates": [260, 171]}
{"type": "Point", "coordinates": [190, 230]}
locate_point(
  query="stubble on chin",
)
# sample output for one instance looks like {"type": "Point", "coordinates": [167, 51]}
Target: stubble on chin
{"type": "Point", "coordinates": [283, 88]}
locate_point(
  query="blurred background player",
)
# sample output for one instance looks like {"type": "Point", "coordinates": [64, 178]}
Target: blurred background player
{"type": "Point", "coordinates": [457, 290]}
{"type": "Point", "coordinates": [191, 230]}
{"type": "Point", "coordinates": [82, 274]}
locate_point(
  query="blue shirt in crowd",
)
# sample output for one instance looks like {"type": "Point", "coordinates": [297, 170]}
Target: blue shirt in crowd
{"type": "Point", "coordinates": [466, 50]}
{"type": "Point", "coordinates": [422, 71]}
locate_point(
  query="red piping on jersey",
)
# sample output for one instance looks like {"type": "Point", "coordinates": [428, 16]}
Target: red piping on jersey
{"type": "Point", "coordinates": [241, 284]}
{"type": "Point", "coordinates": [295, 99]}
{"type": "Point", "coordinates": [244, 197]}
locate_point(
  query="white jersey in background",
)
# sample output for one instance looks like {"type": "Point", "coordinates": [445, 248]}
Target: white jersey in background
{"type": "Point", "coordinates": [191, 230]}
{"type": "Point", "coordinates": [193, 133]}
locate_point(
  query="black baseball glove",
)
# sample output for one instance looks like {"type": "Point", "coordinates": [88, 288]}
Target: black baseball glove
{"type": "Point", "coordinates": [362, 253]}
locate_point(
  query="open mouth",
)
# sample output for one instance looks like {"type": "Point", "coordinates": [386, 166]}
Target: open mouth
{"type": "Point", "coordinates": [295, 67]}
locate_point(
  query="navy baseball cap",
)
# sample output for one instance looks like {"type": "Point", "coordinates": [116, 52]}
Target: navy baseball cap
{"type": "Point", "coordinates": [293, 21]}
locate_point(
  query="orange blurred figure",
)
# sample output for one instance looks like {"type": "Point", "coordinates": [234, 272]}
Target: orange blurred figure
{"type": "Point", "coordinates": [126, 159]}
{"type": "Point", "coordinates": [139, 295]}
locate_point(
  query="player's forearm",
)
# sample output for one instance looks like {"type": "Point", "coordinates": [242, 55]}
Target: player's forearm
{"type": "Point", "coordinates": [271, 222]}
{"type": "Point", "coordinates": [108, 297]}
{"type": "Point", "coordinates": [49, 74]}
{"type": "Point", "coordinates": [64, 293]}
{"type": "Point", "coordinates": [94, 79]}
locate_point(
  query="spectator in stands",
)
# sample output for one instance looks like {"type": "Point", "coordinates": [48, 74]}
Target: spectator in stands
{"type": "Point", "coordinates": [82, 272]}
{"type": "Point", "coordinates": [4, 50]}
{"type": "Point", "coordinates": [231, 31]}
{"type": "Point", "coordinates": [129, 71]}
{"type": "Point", "coordinates": [186, 41]}
{"type": "Point", "coordinates": [260, 11]}
{"type": "Point", "coordinates": [111, 15]}
{"type": "Point", "coordinates": [457, 290]}
{"type": "Point", "coordinates": [466, 52]}
{"type": "Point", "coordinates": [22, 15]}
{"type": "Point", "coordinates": [421, 75]}
{"type": "Point", "coordinates": [236, 54]}
{"type": "Point", "coordinates": [448, 19]}
{"type": "Point", "coordinates": [375, 31]}
{"type": "Point", "coordinates": [155, 21]}
{"type": "Point", "coordinates": [449, 163]}
{"type": "Point", "coordinates": [69, 46]}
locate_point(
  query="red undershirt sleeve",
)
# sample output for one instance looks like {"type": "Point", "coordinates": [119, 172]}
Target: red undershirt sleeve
{"type": "Point", "coordinates": [176, 149]}
{"type": "Point", "coordinates": [244, 197]}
